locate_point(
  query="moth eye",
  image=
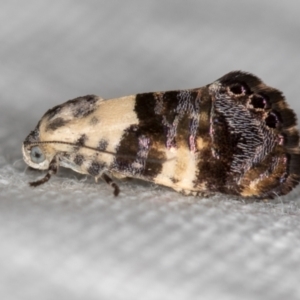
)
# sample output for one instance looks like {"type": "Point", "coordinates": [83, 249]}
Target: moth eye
{"type": "Point", "coordinates": [272, 120]}
{"type": "Point", "coordinates": [239, 88]}
{"type": "Point", "coordinates": [36, 155]}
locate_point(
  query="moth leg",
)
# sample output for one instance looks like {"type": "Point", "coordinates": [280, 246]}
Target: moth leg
{"type": "Point", "coordinates": [53, 168]}
{"type": "Point", "coordinates": [109, 181]}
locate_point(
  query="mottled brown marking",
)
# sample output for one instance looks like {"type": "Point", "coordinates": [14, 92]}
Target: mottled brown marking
{"type": "Point", "coordinates": [79, 159]}
{"type": "Point", "coordinates": [102, 145]}
{"type": "Point", "coordinates": [127, 149]}
{"type": "Point", "coordinates": [81, 141]}
{"type": "Point", "coordinates": [56, 123]}
{"type": "Point", "coordinates": [83, 106]}
{"type": "Point", "coordinates": [96, 168]}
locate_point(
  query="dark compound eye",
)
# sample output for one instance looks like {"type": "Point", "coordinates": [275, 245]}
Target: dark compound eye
{"type": "Point", "coordinates": [238, 88]}
{"type": "Point", "coordinates": [37, 155]}
{"type": "Point", "coordinates": [258, 101]}
{"type": "Point", "coordinates": [272, 120]}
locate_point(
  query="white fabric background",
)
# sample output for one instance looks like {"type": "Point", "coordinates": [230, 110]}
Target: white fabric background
{"type": "Point", "coordinates": [70, 238]}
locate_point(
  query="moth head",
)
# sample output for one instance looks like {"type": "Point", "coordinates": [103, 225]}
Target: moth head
{"type": "Point", "coordinates": [34, 153]}
{"type": "Point", "coordinates": [35, 156]}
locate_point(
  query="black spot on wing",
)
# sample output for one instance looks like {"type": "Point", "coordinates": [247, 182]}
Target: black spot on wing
{"type": "Point", "coordinates": [56, 123]}
{"type": "Point", "coordinates": [79, 159]}
{"type": "Point", "coordinates": [81, 141]}
{"type": "Point", "coordinates": [96, 168]}
{"type": "Point", "coordinates": [259, 101]}
{"type": "Point", "coordinates": [272, 120]}
{"type": "Point", "coordinates": [102, 145]}
{"type": "Point", "coordinates": [83, 106]}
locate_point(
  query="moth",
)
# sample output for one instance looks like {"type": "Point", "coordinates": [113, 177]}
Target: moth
{"type": "Point", "coordinates": [235, 136]}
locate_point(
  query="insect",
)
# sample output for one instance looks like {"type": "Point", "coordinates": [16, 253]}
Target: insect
{"type": "Point", "coordinates": [235, 136]}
